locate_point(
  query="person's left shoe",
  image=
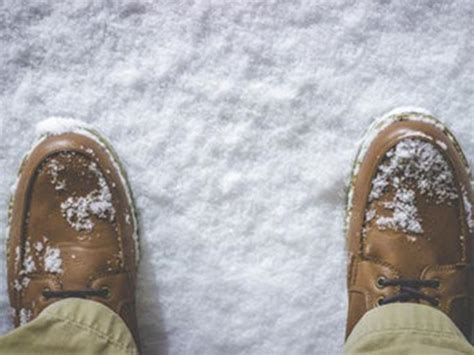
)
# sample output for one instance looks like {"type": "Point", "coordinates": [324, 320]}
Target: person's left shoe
{"type": "Point", "coordinates": [72, 228]}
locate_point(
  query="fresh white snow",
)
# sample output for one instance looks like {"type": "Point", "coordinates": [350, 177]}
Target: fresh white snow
{"type": "Point", "coordinates": [52, 260]}
{"type": "Point", "coordinates": [468, 211]}
{"type": "Point", "coordinates": [54, 168]}
{"type": "Point", "coordinates": [25, 316]}
{"type": "Point", "coordinates": [237, 123]}
{"type": "Point", "coordinates": [78, 210]}
{"type": "Point", "coordinates": [57, 125]}
{"type": "Point", "coordinates": [29, 265]}
{"type": "Point", "coordinates": [404, 215]}
{"type": "Point", "coordinates": [411, 165]}
{"type": "Point", "coordinates": [38, 246]}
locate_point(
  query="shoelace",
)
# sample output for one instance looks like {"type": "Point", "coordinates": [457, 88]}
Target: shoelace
{"type": "Point", "coordinates": [409, 290]}
{"type": "Point", "coordinates": [100, 292]}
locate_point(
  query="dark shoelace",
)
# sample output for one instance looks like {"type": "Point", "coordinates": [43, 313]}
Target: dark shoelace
{"type": "Point", "coordinates": [101, 292]}
{"type": "Point", "coordinates": [409, 290]}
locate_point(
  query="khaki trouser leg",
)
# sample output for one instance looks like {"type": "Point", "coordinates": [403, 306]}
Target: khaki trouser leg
{"type": "Point", "coordinates": [405, 328]}
{"type": "Point", "coordinates": [71, 326]}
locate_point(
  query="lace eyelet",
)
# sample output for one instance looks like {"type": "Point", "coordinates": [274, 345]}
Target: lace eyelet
{"type": "Point", "coordinates": [45, 290]}
{"type": "Point", "coordinates": [106, 290]}
{"type": "Point", "coordinates": [380, 282]}
{"type": "Point", "coordinates": [379, 301]}
{"type": "Point", "coordinates": [437, 283]}
{"type": "Point", "coordinates": [437, 302]}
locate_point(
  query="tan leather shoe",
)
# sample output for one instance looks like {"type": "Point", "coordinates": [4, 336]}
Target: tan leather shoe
{"type": "Point", "coordinates": [73, 231]}
{"type": "Point", "coordinates": [409, 221]}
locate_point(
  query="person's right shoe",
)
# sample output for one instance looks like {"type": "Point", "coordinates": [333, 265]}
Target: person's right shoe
{"type": "Point", "coordinates": [409, 220]}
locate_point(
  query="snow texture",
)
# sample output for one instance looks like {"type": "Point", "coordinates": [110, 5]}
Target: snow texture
{"type": "Point", "coordinates": [413, 165]}
{"type": "Point", "coordinates": [58, 125]}
{"type": "Point", "coordinates": [78, 211]}
{"type": "Point", "coordinates": [405, 217]}
{"type": "Point", "coordinates": [237, 123]}
{"type": "Point", "coordinates": [25, 316]}
{"type": "Point", "coordinates": [29, 265]}
{"type": "Point", "coordinates": [52, 260]}
{"type": "Point", "coordinates": [468, 211]}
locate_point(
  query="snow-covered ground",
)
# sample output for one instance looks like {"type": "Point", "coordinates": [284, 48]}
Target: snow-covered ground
{"type": "Point", "coordinates": [237, 122]}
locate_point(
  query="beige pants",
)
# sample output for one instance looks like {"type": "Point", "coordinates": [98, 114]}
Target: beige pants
{"type": "Point", "coordinates": [406, 328]}
{"type": "Point", "coordinates": [75, 326]}
{"type": "Point", "coordinates": [71, 326]}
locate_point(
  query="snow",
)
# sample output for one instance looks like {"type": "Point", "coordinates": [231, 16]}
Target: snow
{"type": "Point", "coordinates": [78, 210]}
{"type": "Point", "coordinates": [54, 168]}
{"type": "Point", "coordinates": [25, 316]}
{"type": "Point", "coordinates": [23, 284]}
{"type": "Point", "coordinates": [58, 125]}
{"type": "Point", "coordinates": [404, 216]}
{"type": "Point", "coordinates": [412, 165]}
{"type": "Point", "coordinates": [468, 211]}
{"type": "Point", "coordinates": [29, 265]}
{"type": "Point", "coordinates": [52, 260]}
{"type": "Point", "coordinates": [237, 123]}
{"type": "Point", "coordinates": [38, 246]}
